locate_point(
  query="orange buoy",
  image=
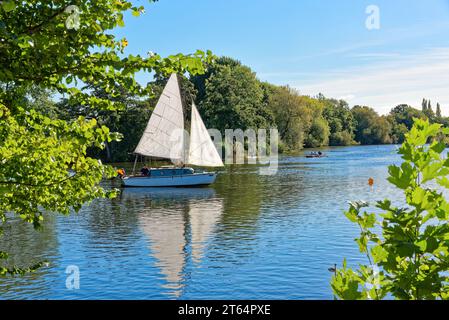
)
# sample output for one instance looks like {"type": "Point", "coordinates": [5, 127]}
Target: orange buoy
{"type": "Point", "coordinates": [371, 182]}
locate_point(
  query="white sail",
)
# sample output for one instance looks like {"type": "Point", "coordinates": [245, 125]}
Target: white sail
{"type": "Point", "coordinates": [202, 151]}
{"type": "Point", "coordinates": [163, 136]}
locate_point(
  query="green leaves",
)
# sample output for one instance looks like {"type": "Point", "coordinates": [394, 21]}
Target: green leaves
{"type": "Point", "coordinates": [419, 198]}
{"type": "Point", "coordinates": [231, 93]}
{"type": "Point", "coordinates": [428, 245]}
{"type": "Point", "coordinates": [137, 11]}
{"type": "Point", "coordinates": [346, 284]}
{"type": "Point", "coordinates": [66, 55]}
{"type": "Point", "coordinates": [16, 270]}
{"type": "Point", "coordinates": [8, 5]}
{"type": "Point", "coordinates": [438, 147]}
{"type": "Point", "coordinates": [421, 132]}
{"type": "Point", "coordinates": [431, 171]}
{"type": "Point", "coordinates": [63, 178]}
{"type": "Point", "coordinates": [444, 182]}
{"type": "Point", "coordinates": [413, 248]}
{"type": "Point", "coordinates": [379, 254]}
{"type": "Point", "coordinates": [402, 177]}
{"type": "Point", "coordinates": [120, 21]}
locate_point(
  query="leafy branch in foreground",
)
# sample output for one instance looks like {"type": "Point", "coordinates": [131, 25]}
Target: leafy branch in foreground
{"type": "Point", "coordinates": [44, 166]}
{"type": "Point", "coordinates": [16, 270]}
{"type": "Point", "coordinates": [409, 260]}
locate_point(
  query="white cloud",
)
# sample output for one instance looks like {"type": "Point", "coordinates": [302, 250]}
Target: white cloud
{"type": "Point", "coordinates": [348, 97]}
{"type": "Point", "coordinates": [384, 85]}
{"type": "Point", "coordinates": [375, 55]}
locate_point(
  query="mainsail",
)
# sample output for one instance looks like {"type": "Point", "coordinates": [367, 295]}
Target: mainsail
{"type": "Point", "coordinates": [202, 151]}
{"type": "Point", "coordinates": [163, 136]}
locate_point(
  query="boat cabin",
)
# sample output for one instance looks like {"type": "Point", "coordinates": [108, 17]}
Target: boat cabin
{"type": "Point", "coordinates": [170, 172]}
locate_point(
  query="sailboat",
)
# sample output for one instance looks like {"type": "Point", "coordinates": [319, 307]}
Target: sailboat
{"type": "Point", "coordinates": [160, 140]}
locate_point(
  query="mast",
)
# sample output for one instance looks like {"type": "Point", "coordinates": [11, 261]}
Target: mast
{"type": "Point", "coordinates": [135, 164]}
{"type": "Point", "coordinates": [183, 108]}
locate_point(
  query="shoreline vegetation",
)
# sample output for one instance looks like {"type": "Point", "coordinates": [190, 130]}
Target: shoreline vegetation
{"type": "Point", "coordinates": [406, 247]}
{"type": "Point", "coordinates": [229, 95]}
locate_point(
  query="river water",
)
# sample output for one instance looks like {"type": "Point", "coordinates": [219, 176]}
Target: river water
{"type": "Point", "coordinates": [248, 236]}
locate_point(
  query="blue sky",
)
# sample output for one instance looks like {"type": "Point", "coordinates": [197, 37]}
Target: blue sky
{"type": "Point", "coordinates": [313, 45]}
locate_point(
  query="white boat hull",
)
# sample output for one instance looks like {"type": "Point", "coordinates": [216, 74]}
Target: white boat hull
{"type": "Point", "coordinates": [190, 180]}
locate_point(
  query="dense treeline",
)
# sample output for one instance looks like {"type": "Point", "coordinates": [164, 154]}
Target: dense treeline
{"type": "Point", "coordinates": [229, 96]}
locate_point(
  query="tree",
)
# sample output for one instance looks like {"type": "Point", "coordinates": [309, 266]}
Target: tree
{"type": "Point", "coordinates": [407, 248]}
{"type": "Point", "coordinates": [341, 121]}
{"type": "Point", "coordinates": [404, 114]}
{"type": "Point", "coordinates": [438, 112]}
{"type": "Point", "coordinates": [424, 105]}
{"type": "Point", "coordinates": [300, 119]}
{"type": "Point", "coordinates": [231, 97]}
{"type": "Point", "coordinates": [371, 128]}
{"type": "Point", "coordinates": [429, 112]}
{"type": "Point", "coordinates": [401, 120]}
{"type": "Point", "coordinates": [398, 132]}
{"type": "Point", "coordinates": [52, 46]}
{"type": "Point", "coordinates": [315, 126]}
{"type": "Point", "coordinates": [318, 135]}
{"type": "Point", "coordinates": [131, 120]}
{"type": "Point", "coordinates": [284, 103]}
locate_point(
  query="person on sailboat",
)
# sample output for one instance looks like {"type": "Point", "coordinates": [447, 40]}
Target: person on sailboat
{"type": "Point", "coordinates": [121, 172]}
{"type": "Point", "coordinates": [145, 171]}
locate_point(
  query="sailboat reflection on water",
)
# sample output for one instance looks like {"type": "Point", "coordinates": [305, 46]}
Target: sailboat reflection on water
{"type": "Point", "coordinates": [179, 224]}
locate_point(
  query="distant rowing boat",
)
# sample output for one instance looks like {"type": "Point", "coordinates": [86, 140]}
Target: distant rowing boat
{"type": "Point", "coordinates": [316, 155]}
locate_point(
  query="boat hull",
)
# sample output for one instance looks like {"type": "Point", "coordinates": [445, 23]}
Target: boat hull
{"type": "Point", "coordinates": [191, 180]}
